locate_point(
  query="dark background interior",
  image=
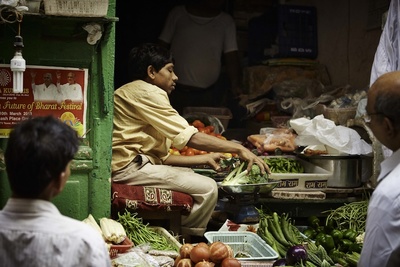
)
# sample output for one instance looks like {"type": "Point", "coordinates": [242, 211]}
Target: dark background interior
{"type": "Point", "coordinates": [140, 21]}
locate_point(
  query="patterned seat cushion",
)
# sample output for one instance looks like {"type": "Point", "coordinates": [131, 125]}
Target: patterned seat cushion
{"type": "Point", "coordinates": [137, 198]}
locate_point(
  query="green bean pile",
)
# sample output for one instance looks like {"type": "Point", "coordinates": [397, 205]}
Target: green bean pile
{"type": "Point", "coordinates": [284, 165]}
{"type": "Point", "coordinates": [350, 216]}
{"type": "Point", "coordinates": [140, 233]}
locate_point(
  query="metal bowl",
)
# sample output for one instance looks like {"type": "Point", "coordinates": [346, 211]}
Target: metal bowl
{"type": "Point", "coordinates": [250, 188]}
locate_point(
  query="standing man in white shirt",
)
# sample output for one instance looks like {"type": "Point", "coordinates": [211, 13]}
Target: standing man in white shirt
{"type": "Point", "coordinates": [387, 55]}
{"type": "Point", "coordinates": [202, 39]}
{"type": "Point", "coordinates": [33, 232]}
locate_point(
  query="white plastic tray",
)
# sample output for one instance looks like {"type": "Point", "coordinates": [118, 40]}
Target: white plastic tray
{"type": "Point", "coordinates": [247, 242]}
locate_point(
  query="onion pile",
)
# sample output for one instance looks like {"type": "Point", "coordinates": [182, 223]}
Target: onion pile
{"type": "Point", "coordinates": [216, 254]}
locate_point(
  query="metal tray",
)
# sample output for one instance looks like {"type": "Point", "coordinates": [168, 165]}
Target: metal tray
{"type": "Point", "coordinates": [217, 176]}
{"type": "Point", "coordinates": [250, 188]}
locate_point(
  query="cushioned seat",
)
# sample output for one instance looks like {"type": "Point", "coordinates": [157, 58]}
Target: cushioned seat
{"type": "Point", "coordinates": [151, 204]}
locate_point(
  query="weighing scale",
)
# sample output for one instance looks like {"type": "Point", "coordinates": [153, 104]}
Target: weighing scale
{"type": "Point", "coordinates": [238, 200]}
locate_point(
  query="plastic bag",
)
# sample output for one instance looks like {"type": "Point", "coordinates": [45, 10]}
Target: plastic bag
{"type": "Point", "coordinates": [275, 138]}
{"type": "Point", "coordinates": [306, 106]}
{"type": "Point", "coordinates": [299, 88]}
{"type": "Point", "coordinates": [300, 107]}
{"type": "Point", "coordinates": [321, 131]}
{"type": "Point", "coordinates": [207, 120]}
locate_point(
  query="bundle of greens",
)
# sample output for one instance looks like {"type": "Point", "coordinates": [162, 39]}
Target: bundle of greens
{"type": "Point", "coordinates": [240, 175]}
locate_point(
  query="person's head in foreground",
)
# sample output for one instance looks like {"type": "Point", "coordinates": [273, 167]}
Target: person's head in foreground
{"type": "Point", "coordinates": [38, 157]}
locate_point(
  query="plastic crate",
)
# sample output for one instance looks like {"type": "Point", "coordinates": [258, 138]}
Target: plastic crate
{"type": "Point", "coordinates": [247, 242]}
{"type": "Point", "coordinates": [257, 263]}
{"type": "Point", "coordinates": [223, 114]}
{"type": "Point", "coordinates": [76, 8]}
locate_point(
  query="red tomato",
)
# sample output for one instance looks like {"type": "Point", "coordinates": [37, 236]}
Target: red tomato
{"type": "Point", "coordinates": [190, 152]}
{"type": "Point", "coordinates": [204, 130]}
{"type": "Point", "coordinates": [198, 124]}
{"type": "Point", "coordinates": [210, 128]}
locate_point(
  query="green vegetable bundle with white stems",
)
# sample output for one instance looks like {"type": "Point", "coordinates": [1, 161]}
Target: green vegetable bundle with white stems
{"type": "Point", "coordinates": [239, 175]}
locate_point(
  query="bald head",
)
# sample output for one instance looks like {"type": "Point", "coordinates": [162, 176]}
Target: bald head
{"type": "Point", "coordinates": [384, 96]}
{"type": "Point", "coordinates": [383, 106]}
{"type": "Point", "coordinates": [387, 83]}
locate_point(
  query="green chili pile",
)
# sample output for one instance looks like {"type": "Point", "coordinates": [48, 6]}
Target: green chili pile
{"type": "Point", "coordinates": [284, 165]}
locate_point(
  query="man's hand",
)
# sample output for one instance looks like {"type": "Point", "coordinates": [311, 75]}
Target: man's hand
{"type": "Point", "coordinates": [251, 158]}
{"type": "Point", "coordinates": [210, 159]}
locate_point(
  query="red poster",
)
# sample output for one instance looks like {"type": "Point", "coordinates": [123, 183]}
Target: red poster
{"type": "Point", "coordinates": [56, 91]}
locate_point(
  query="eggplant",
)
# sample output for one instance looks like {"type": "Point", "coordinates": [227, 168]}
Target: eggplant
{"type": "Point", "coordinates": [280, 262]}
{"type": "Point", "coordinates": [296, 254]}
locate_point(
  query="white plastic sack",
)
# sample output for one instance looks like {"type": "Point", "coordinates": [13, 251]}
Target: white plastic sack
{"type": "Point", "coordinates": [321, 131]}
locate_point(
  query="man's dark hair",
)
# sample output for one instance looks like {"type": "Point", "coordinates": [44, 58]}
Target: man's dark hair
{"type": "Point", "coordinates": [145, 55]}
{"type": "Point", "coordinates": [38, 151]}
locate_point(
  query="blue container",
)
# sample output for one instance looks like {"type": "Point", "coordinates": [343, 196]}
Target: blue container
{"type": "Point", "coordinates": [297, 31]}
{"type": "Point", "coordinates": [283, 31]}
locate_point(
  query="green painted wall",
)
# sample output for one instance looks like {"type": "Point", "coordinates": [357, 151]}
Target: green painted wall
{"type": "Point", "coordinates": [61, 41]}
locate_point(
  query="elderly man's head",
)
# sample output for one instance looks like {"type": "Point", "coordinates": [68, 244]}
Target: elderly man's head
{"type": "Point", "coordinates": [383, 109]}
{"type": "Point", "coordinates": [71, 77]}
{"type": "Point", "coordinates": [47, 78]}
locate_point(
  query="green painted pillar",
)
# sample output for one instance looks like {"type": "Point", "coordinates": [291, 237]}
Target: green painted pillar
{"type": "Point", "coordinates": [61, 41]}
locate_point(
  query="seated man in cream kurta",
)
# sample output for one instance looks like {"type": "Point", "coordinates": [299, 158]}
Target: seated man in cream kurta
{"type": "Point", "coordinates": [145, 127]}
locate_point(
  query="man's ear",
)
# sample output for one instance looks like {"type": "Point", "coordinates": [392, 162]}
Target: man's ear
{"type": "Point", "coordinates": [390, 129]}
{"type": "Point", "coordinates": [151, 72]}
{"type": "Point", "coordinates": [60, 182]}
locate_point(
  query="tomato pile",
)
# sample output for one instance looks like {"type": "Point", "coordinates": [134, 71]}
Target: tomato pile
{"type": "Point", "coordinates": [188, 151]}
{"type": "Point", "coordinates": [203, 128]}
